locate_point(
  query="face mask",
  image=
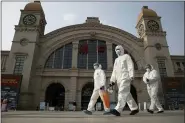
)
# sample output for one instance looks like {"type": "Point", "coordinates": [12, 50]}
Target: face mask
{"type": "Point", "coordinates": [118, 52]}
{"type": "Point", "coordinates": [95, 67]}
{"type": "Point", "coordinates": [148, 70]}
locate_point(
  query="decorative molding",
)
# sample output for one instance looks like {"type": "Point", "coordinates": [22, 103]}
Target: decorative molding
{"type": "Point", "coordinates": [24, 41]}
{"type": "Point", "coordinates": [154, 46]}
{"type": "Point", "coordinates": [158, 46]}
{"type": "Point", "coordinates": [155, 33]}
{"type": "Point", "coordinates": [161, 58]}
{"type": "Point", "coordinates": [92, 34]}
{"type": "Point", "coordinates": [86, 26]}
{"type": "Point", "coordinates": [26, 28]}
{"type": "Point", "coordinates": [22, 54]}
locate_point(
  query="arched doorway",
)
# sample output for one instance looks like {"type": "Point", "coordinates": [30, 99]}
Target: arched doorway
{"type": "Point", "coordinates": [134, 95]}
{"type": "Point", "coordinates": [87, 91]}
{"type": "Point", "coordinates": [55, 95]}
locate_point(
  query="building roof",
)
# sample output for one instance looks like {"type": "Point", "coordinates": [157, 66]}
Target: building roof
{"type": "Point", "coordinates": [146, 12]}
{"type": "Point", "coordinates": [33, 6]}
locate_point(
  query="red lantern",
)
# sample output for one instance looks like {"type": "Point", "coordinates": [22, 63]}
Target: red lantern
{"type": "Point", "coordinates": [101, 49]}
{"type": "Point", "coordinates": [83, 48]}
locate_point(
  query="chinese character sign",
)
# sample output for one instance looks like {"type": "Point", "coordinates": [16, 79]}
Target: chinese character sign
{"type": "Point", "coordinates": [10, 86]}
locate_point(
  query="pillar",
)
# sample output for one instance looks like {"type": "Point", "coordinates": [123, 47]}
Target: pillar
{"type": "Point", "coordinates": [73, 83]}
{"type": "Point", "coordinates": [145, 106]}
{"type": "Point", "coordinates": [109, 56]}
{"type": "Point", "coordinates": [79, 100]}
{"type": "Point", "coordinates": [75, 54]}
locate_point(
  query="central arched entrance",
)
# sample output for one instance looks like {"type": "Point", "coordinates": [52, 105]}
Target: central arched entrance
{"type": "Point", "coordinates": [134, 95]}
{"type": "Point", "coordinates": [87, 91]}
{"type": "Point", "coordinates": [55, 96]}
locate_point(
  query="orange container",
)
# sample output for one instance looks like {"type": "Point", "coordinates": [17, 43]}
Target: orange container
{"type": "Point", "coordinates": [105, 98]}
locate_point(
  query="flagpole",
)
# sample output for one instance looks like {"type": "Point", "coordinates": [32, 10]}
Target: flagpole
{"type": "Point", "coordinates": [97, 51]}
{"type": "Point", "coordinates": [87, 55]}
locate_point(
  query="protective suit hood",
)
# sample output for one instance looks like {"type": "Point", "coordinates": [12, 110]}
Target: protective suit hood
{"type": "Point", "coordinates": [149, 65]}
{"type": "Point", "coordinates": [100, 67]}
{"type": "Point", "coordinates": [152, 67]}
{"type": "Point", "coordinates": [121, 49]}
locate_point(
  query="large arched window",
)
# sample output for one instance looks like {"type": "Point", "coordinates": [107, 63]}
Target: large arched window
{"type": "Point", "coordinates": [60, 58]}
{"type": "Point", "coordinates": [114, 55]}
{"type": "Point", "coordinates": [91, 51]}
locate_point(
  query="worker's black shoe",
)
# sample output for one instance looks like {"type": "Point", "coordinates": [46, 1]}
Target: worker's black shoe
{"type": "Point", "coordinates": [87, 112]}
{"type": "Point", "coordinates": [134, 112]}
{"type": "Point", "coordinates": [107, 113]}
{"type": "Point", "coordinates": [150, 111]}
{"type": "Point", "coordinates": [160, 112]}
{"type": "Point", "coordinates": [115, 112]}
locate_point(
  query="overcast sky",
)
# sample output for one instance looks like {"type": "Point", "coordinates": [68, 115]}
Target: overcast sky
{"type": "Point", "coordinates": [119, 14]}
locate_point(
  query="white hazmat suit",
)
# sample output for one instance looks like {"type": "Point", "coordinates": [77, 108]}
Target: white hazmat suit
{"type": "Point", "coordinates": [152, 87]}
{"type": "Point", "coordinates": [99, 81]}
{"type": "Point", "coordinates": [123, 72]}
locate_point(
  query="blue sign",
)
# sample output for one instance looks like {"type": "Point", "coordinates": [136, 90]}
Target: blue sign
{"type": "Point", "coordinates": [42, 105]}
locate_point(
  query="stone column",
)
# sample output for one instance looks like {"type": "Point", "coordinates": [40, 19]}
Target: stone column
{"type": "Point", "coordinates": [109, 56]}
{"type": "Point", "coordinates": [70, 95]}
{"type": "Point", "coordinates": [75, 54]}
{"type": "Point", "coordinates": [73, 82]}
{"type": "Point", "coordinates": [79, 100]}
{"type": "Point", "coordinates": [67, 100]}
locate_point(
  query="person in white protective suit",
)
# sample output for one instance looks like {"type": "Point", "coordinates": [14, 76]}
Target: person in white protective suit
{"type": "Point", "coordinates": [99, 83]}
{"type": "Point", "coordinates": [152, 79]}
{"type": "Point", "coordinates": [123, 74]}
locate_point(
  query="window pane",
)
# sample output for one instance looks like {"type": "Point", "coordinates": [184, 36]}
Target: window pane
{"type": "Point", "coordinates": [162, 68]}
{"type": "Point", "coordinates": [19, 64]}
{"type": "Point", "coordinates": [102, 54]}
{"type": "Point", "coordinates": [49, 62]}
{"type": "Point", "coordinates": [82, 54]}
{"type": "Point", "coordinates": [92, 54]}
{"type": "Point", "coordinates": [58, 58]}
{"type": "Point", "coordinates": [67, 56]}
{"type": "Point", "coordinates": [178, 64]}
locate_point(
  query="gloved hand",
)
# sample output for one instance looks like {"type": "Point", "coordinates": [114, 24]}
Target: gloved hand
{"type": "Point", "coordinates": [111, 84]}
{"type": "Point", "coordinates": [102, 88]}
{"type": "Point", "coordinates": [147, 81]}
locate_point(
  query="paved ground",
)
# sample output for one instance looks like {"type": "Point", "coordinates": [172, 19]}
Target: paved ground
{"type": "Point", "coordinates": [97, 117]}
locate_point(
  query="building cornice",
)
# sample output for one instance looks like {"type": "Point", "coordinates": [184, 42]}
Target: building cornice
{"type": "Point", "coordinates": [157, 33]}
{"type": "Point", "coordinates": [91, 26]}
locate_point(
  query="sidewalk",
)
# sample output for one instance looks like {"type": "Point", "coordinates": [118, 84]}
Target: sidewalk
{"type": "Point", "coordinates": [97, 117]}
